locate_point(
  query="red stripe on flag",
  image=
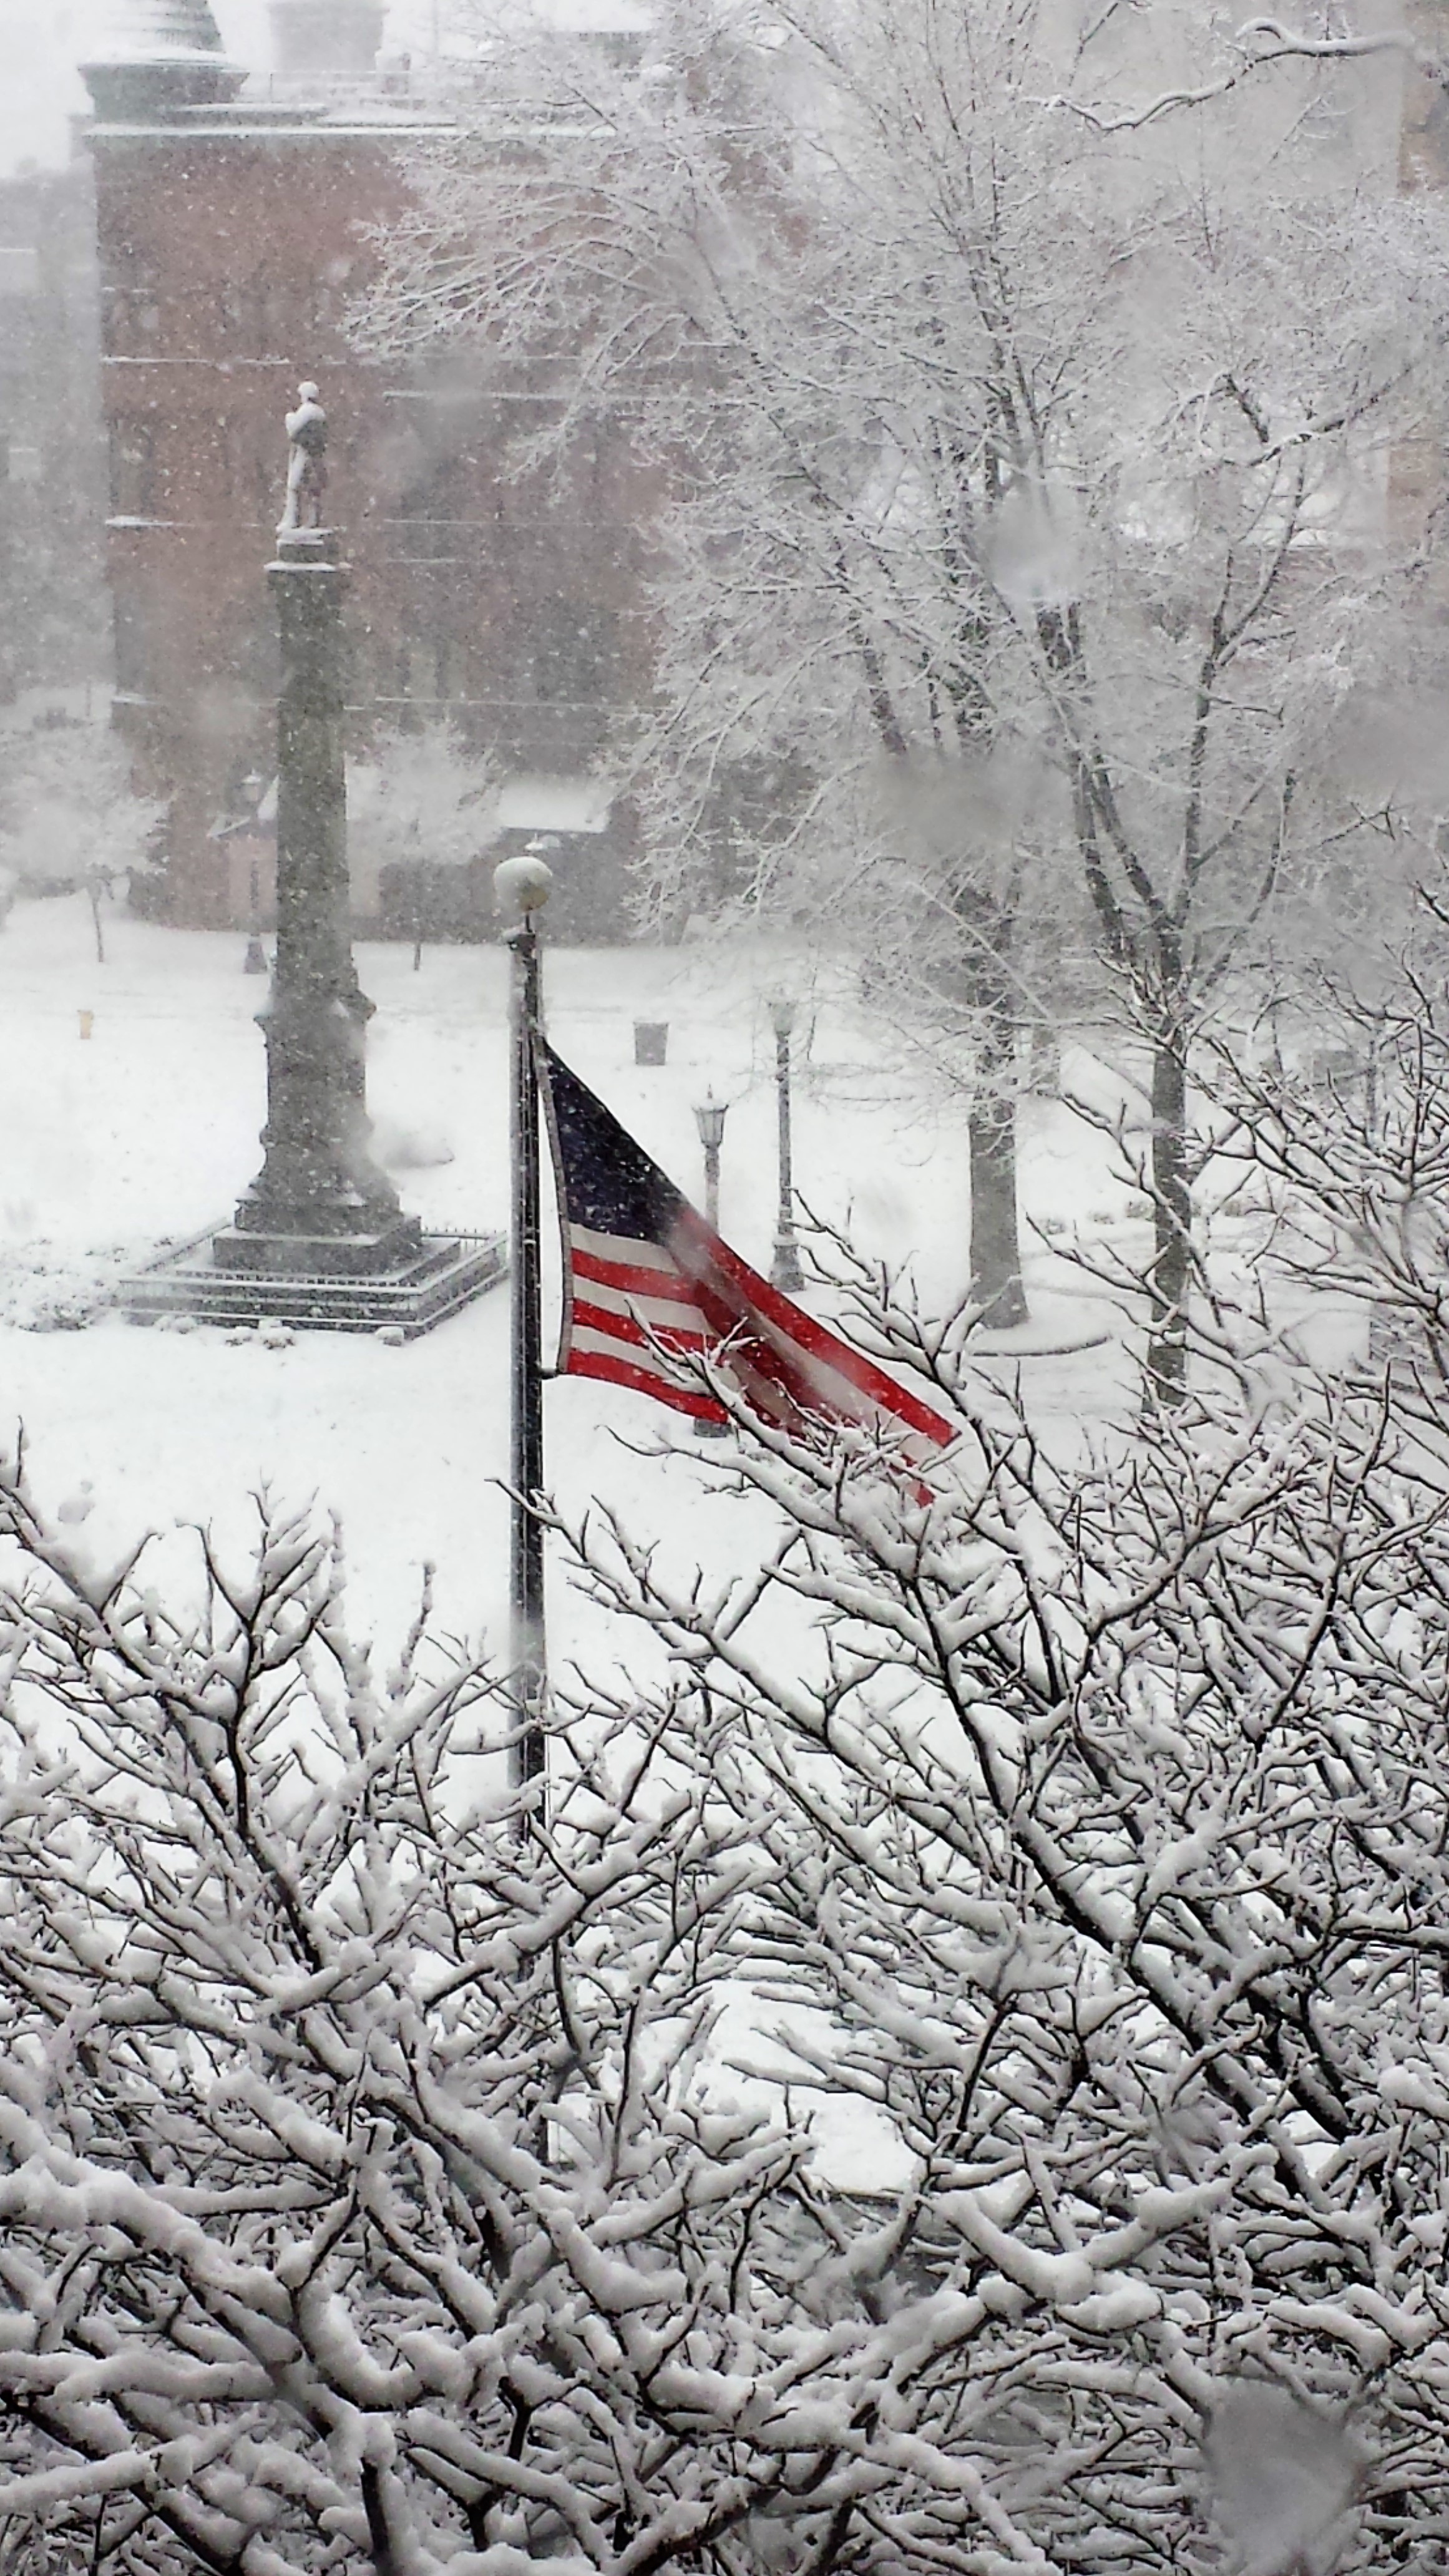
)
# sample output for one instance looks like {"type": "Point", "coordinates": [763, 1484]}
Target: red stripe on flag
{"type": "Point", "coordinates": [747, 1321]}
{"type": "Point", "coordinates": [781, 1382]}
{"type": "Point", "coordinates": [628, 1328]}
{"type": "Point", "coordinates": [698, 1244]}
{"type": "Point", "coordinates": [647, 1381]}
{"type": "Point", "coordinates": [786, 1366]}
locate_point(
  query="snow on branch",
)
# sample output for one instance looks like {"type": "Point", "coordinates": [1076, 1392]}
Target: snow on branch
{"type": "Point", "coordinates": [972, 2017]}
{"type": "Point", "coordinates": [1100, 1803]}
{"type": "Point", "coordinates": [1260, 41]}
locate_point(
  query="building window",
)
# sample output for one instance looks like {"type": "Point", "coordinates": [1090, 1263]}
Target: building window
{"type": "Point", "coordinates": [133, 469]}
{"type": "Point", "coordinates": [574, 652]}
{"type": "Point", "coordinates": [134, 675]}
{"type": "Point", "coordinates": [273, 306]}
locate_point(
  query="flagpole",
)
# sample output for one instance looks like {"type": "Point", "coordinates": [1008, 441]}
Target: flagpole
{"type": "Point", "coordinates": [523, 885]}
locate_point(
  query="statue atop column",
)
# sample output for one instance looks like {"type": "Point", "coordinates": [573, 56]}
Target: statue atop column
{"type": "Point", "coordinates": [306, 463]}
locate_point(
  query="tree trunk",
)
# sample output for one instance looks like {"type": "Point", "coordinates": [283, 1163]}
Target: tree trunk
{"type": "Point", "coordinates": [1171, 1219]}
{"type": "Point", "coordinates": [986, 984]}
{"type": "Point", "coordinates": [94, 893]}
{"type": "Point", "coordinates": [995, 1226]}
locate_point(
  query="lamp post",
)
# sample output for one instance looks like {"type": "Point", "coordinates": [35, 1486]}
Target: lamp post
{"type": "Point", "coordinates": [255, 960]}
{"type": "Point", "coordinates": [709, 1117]}
{"type": "Point", "coordinates": [785, 1270]}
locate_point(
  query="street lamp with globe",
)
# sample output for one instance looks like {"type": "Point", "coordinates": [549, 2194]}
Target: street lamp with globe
{"type": "Point", "coordinates": [709, 1117]}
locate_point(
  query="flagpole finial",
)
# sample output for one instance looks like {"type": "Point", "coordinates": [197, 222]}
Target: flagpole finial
{"type": "Point", "coordinates": [523, 884]}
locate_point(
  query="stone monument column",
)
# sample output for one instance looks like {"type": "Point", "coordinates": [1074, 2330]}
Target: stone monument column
{"type": "Point", "coordinates": [318, 1237]}
{"type": "Point", "coordinates": [319, 1204]}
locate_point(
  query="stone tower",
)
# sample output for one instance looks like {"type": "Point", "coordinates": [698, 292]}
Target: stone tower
{"type": "Point", "coordinates": [157, 56]}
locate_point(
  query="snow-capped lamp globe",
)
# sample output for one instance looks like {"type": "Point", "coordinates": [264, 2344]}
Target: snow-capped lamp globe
{"type": "Point", "coordinates": [523, 884]}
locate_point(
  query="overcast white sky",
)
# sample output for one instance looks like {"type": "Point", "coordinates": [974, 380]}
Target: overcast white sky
{"type": "Point", "coordinates": [41, 42]}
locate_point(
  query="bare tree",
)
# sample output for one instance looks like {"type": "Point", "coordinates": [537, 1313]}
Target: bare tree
{"type": "Point", "coordinates": [1105, 1811]}
{"type": "Point", "coordinates": [1340, 1130]}
{"type": "Point", "coordinates": [419, 804]}
{"type": "Point", "coordinates": [73, 818]}
{"type": "Point", "coordinates": [989, 433]}
{"type": "Point", "coordinates": [396, 2180]}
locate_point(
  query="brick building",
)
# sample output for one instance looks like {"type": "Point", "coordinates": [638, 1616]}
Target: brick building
{"type": "Point", "coordinates": [232, 220]}
{"type": "Point", "coordinates": [51, 479]}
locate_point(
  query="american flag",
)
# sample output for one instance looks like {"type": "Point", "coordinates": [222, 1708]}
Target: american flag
{"type": "Point", "coordinates": [648, 1286]}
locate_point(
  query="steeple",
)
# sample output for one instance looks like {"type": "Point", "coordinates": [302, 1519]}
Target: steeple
{"type": "Point", "coordinates": [159, 55]}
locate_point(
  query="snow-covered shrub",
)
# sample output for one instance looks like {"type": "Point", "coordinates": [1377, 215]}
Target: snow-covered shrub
{"type": "Point", "coordinates": [364, 2200]}
{"type": "Point", "coordinates": [1108, 1809]}
{"type": "Point", "coordinates": [375, 2193]}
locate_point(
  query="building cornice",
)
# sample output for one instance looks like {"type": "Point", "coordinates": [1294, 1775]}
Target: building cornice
{"type": "Point", "coordinates": [286, 127]}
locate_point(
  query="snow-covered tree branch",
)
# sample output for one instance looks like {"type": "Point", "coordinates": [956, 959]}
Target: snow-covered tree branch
{"type": "Point", "coordinates": [1259, 43]}
{"type": "Point", "coordinates": [1000, 449]}
{"type": "Point", "coordinates": [361, 2206]}
{"type": "Point", "coordinates": [388, 2188]}
{"type": "Point", "coordinates": [1105, 1810]}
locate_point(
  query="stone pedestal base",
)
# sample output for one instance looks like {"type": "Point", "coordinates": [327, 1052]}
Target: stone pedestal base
{"type": "Point", "coordinates": [435, 1278]}
{"type": "Point", "coordinates": [317, 1256]}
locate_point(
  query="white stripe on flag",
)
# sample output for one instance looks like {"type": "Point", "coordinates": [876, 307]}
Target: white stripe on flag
{"type": "Point", "coordinates": [631, 1251]}
{"type": "Point", "coordinates": [642, 1354]}
{"type": "Point", "coordinates": [661, 1314]}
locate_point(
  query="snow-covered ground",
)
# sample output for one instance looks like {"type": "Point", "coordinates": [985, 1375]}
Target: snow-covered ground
{"type": "Point", "coordinates": [147, 1129]}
